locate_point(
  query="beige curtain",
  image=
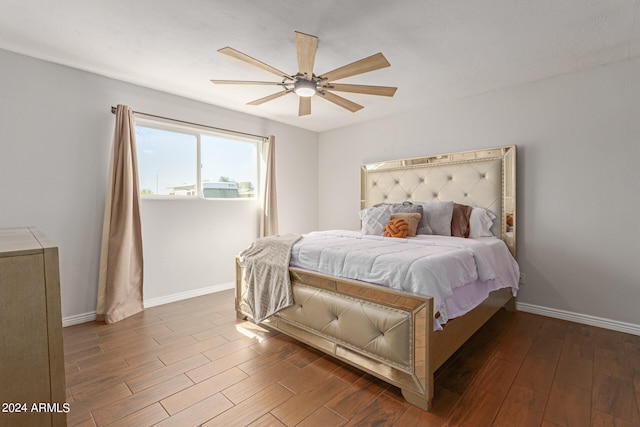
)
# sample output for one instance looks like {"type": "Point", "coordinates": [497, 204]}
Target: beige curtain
{"type": "Point", "coordinates": [269, 217]}
{"type": "Point", "coordinates": [121, 267]}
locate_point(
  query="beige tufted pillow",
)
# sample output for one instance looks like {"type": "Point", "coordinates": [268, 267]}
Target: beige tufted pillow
{"type": "Point", "coordinates": [411, 218]}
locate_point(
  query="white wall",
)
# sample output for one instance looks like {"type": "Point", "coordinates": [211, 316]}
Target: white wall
{"type": "Point", "coordinates": [578, 138]}
{"type": "Point", "coordinates": [56, 131]}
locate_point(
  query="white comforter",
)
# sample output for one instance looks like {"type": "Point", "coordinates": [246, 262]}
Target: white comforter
{"type": "Point", "coordinates": [425, 265]}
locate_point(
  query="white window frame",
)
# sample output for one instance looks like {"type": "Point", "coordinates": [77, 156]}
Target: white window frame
{"type": "Point", "coordinates": [197, 131]}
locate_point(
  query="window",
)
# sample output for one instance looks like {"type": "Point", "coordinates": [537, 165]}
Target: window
{"type": "Point", "coordinates": [182, 161]}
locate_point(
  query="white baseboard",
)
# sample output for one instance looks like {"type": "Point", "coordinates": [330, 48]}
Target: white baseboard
{"type": "Point", "coordinates": [188, 294]}
{"type": "Point", "coordinates": [78, 318]}
{"type": "Point", "coordinates": [91, 316]}
{"type": "Point", "coordinates": [585, 319]}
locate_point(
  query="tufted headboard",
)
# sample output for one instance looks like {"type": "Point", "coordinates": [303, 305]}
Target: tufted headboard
{"type": "Point", "coordinates": [483, 178]}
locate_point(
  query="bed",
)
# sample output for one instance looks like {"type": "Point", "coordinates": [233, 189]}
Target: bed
{"type": "Point", "coordinates": [398, 336]}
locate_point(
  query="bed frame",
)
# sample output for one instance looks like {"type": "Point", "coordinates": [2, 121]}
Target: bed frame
{"type": "Point", "coordinates": [387, 333]}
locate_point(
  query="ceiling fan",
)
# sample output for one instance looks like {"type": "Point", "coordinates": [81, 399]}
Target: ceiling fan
{"type": "Point", "coordinates": [307, 84]}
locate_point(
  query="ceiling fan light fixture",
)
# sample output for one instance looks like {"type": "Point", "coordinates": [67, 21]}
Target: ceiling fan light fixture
{"type": "Point", "coordinates": [305, 88]}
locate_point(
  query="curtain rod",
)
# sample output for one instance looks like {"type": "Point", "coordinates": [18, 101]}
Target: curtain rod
{"type": "Point", "coordinates": [113, 111]}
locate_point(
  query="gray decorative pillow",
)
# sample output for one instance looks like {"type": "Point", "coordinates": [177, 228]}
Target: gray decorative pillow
{"type": "Point", "coordinates": [374, 219]}
{"type": "Point", "coordinates": [437, 216]}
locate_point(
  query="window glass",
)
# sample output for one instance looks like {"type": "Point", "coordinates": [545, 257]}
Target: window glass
{"type": "Point", "coordinates": [168, 163]}
{"type": "Point", "coordinates": [229, 168]}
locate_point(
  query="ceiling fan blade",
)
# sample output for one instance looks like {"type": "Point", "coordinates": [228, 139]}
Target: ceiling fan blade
{"type": "Point", "coordinates": [342, 102]}
{"type": "Point", "coordinates": [367, 90]}
{"type": "Point", "coordinates": [246, 58]}
{"type": "Point", "coordinates": [371, 63]}
{"type": "Point", "coordinates": [305, 106]}
{"type": "Point", "coordinates": [242, 82]}
{"type": "Point", "coordinates": [306, 47]}
{"type": "Point", "coordinates": [269, 98]}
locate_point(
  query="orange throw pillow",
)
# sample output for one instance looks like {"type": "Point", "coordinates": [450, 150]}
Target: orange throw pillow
{"type": "Point", "coordinates": [396, 228]}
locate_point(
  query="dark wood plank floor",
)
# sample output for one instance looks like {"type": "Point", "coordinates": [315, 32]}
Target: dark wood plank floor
{"type": "Point", "coordinates": [192, 363]}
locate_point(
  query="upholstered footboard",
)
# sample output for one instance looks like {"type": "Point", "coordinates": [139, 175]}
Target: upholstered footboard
{"type": "Point", "coordinates": [380, 331]}
{"type": "Point", "coordinates": [385, 333]}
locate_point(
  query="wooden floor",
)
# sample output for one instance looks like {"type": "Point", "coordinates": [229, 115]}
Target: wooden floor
{"type": "Point", "coordinates": [192, 363]}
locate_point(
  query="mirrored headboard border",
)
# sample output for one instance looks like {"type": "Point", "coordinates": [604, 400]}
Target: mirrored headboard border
{"type": "Point", "coordinates": [503, 180]}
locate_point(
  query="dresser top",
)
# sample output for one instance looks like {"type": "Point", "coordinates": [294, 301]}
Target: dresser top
{"type": "Point", "coordinates": [22, 241]}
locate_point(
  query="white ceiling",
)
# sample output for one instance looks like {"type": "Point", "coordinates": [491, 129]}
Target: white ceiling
{"type": "Point", "coordinates": [438, 49]}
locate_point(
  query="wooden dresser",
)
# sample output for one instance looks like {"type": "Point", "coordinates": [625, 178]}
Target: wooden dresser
{"type": "Point", "coordinates": [32, 383]}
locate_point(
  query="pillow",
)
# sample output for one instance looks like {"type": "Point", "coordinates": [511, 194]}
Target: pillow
{"type": "Point", "coordinates": [406, 207]}
{"type": "Point", "coordinates": [481, 222]}
{"type": "Point", "coordinates": [424, 227]}
{"type": "Point", "coordinates": [437, 218]}
{"type": "Point", "coordinates": [374, 219]}
{"type": "Point", "coordinates": [412, 220]}
{"type": "Point", "coordinates": [460, 220]}
{"type": "Point", "coordinates": [396, 228]}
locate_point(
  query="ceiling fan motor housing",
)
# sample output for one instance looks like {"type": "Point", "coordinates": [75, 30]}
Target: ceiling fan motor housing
{"type": "Point", "coordinates": [304, 87]}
